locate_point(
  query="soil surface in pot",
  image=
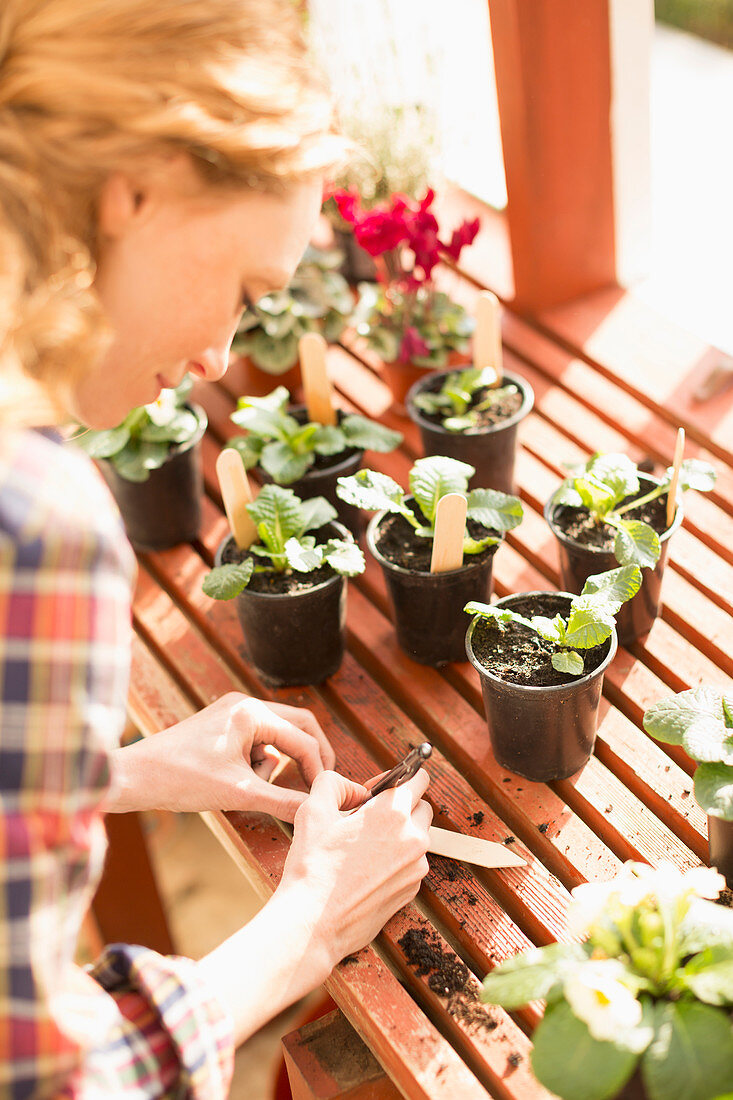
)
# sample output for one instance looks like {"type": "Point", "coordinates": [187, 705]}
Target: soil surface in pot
{"type": "Point", "coordinates": [726, 898]}
{"type": "Point", "coordinates": [324, 462]}
{"type": "Point", "coordinates": [398, 543]}
{"type": "Point", "coordinates": [519, 655]}
{"type": "Point", "coordinates": [500, 410]}
{"type": "Point", "coordinates": [275, 583]}
{"type": "Point", "coordinates": [579, 525]}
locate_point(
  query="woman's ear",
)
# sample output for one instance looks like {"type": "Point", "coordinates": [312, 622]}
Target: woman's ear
{"type": "Point", "coordinates": [120, 203]}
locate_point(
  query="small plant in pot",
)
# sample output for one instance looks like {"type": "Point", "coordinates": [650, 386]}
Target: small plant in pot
{"type": "Point", "coordinates": [428, 598]}
{"type": "Point", "coordinates": [641, 1008]}
{"type": "Point", "coordinates": [152, 466]}
{"type": "Point", "coordinates": [289, 586]}
{"type": "Point", "coordinates": [290, 448]}
{"type": "Point", "coordinates": [541, 658]}
{"type": "Point", "coordinates": [318, 299]}
{"type": "Point", "coordinates": [608, 512]}
{"type": "Point", "coordinates": [701, 721]}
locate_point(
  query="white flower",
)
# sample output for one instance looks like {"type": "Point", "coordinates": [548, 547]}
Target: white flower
{"type": "Point", "coordinates": [704, 882]}
{"type": "Point", "coordinates": [597, 996]}
{"type": "Point", "coordinates": [162, 410]}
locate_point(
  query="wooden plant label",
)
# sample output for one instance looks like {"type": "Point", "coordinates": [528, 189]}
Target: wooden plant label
{"type": "Point", "coordinates": [237, 494]}
{"type": "Point", "coordinates": [450, 527]}
{"type": "Point", "coordinates": [487, 337]}
{"type": "Point", "coordinates": [316, 383]}
{"type": "Point", "coordinates": [471, 849]}
{"type": "Point", "coordinates": [679, 450]}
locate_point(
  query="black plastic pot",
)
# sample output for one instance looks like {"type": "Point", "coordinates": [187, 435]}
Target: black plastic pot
{"type": "Point", "coordinates": [428, 607]}
{"type": "Point", "coordinates": [165, 510]}
{"type": "Point", "coordinates": [296, 637]}
{"type": "Point", "coordinates": [491, 450]}
{"type": "Point", "coordinates": [578, 562]}
{"type": "Point", "coordinates": [322, 482]}
{"type": "Point", "coordinates": [720, 843]}
{"type": "Point", "coordinates": [546, 732]}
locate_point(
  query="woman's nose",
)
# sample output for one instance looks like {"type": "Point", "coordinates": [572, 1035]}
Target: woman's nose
{"type": "Point", "coordinates": [212, 364]}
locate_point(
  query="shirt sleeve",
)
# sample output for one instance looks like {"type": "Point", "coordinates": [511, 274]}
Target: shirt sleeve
{"type": "Point", "coordinates": [141, 1027]}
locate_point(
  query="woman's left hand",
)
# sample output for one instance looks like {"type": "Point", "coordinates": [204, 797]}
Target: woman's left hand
{"type": "Point", "coordinates": [221, 759]}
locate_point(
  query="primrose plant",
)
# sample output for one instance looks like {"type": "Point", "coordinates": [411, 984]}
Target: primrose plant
{"type": "Point", "coordinates": [286, 449]}
{"type": "Point", "coordinates": [648, 988]}
{"type": "Point", "coordinates": [145, 438]}
{"type": "Point", "coordinates": [589, 623]}
{"type": "Point", "coordinates": [430, 479]}
{"type": "Point", "coordinates": [453, 401]}
{"type": "Point", "coordinates": [284, 545]}
{"type": "Point", "coordinates": [608, 479]}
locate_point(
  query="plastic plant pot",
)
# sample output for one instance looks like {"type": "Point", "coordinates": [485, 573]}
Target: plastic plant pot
{"type": "Point", "coordinates": [322, 482]}
{"type": "Point", "coordinates": [720, 842]}
{"type": "Point", "coordinates": [295, 637]}
{"type": "Point", "coordinates": [543, 732]}
{"type": "Point", "coordinates": [428, 607]}
{"type": "Point", "coordinates": [491, 450]}
{"type": "Point", "coordinates": [165, 510]}
{"type": "Point", "coordinates": [578, 562]}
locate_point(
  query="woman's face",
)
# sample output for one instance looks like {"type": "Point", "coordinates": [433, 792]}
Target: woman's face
{"type": "Point", "coordinates": [177, 264]}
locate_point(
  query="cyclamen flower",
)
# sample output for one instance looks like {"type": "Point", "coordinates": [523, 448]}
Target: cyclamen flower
{"type": "Point", "coordinates": [599, 998]}
{"type": "Point", "coordinates": [412, 345]}
{"type": "Point", "coordinates": [461, 237]}
{"type": "Point", "coordinates": [381, 230]}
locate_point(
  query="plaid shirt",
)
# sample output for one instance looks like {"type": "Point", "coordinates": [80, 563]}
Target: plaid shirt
{"type": "Point", "coordinates": [138, 1024]}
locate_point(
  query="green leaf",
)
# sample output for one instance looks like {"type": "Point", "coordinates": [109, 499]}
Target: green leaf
{"type": "Point", "coordinates": [705, 925]}
{"type": "Point", "coordinates": [691, 1054]}
{"type": "Point", "coordinates": [668, 719]}
{"type": "Point", "coordinates": [276, 400]}
{"type": "Point", "coordinates": [459, 423]}
{"type": "Point", "coordinates": [472, 546]}
{"type": "Point", "coordinates": [302, 554]}
{"type": "Point", "coordinates": [179, 429]}
{"type": "Point", "coordinates": [568, 495]}
{"type": "Point", "coordinates": [588, 626]}
{"type": "Point", "coordinates": [367, 435]}
{"type": "Point", "coordinates": [314, 513]}
{"type": "Point", "coordinates": [636, 543]}
{"type": "Point", "coordinates": [129, 464]}
{"type": "Point", "coordinates": [552, 630]}
{"type": "Point", "coordinates": [709, 975]}
{"type": "Point", "coordinates": [569, 662]}
{"type": "Point", "coordinates": [250, 447]}
{"type": "Point", "coordinates": [226, 581]}
{"type": "Point", "coordinates": [373, 491]}
{"type": "Point", "coordinates": [714, 789]}
{"type": "Point", "coordinates": [277, 511]}
{"type": "Point", "coordinates": [431, 402]}
{"type": "Point", "coordinates": [568, 1061]}
{"type": "Point", "coordinates": [597, 498]}
{"type": "Point", "coordinates": [499, 615]}
{"type": "Point", "coordinates": [344, 557]}
{"type": "Point", "coordinates": [708, 741]}
{"type": "Point", "coordinates": [328, 440]}
{"type": "Point", "coordinates": [617, 472]}
{"type": "Point", "coordinates": [609, 590]}
{"type": "Point", "coordinates": [531, 975]}
{"type": "Point", "coordinates": [103, 444]}
{"type": "Point", "coordinates": [282, 465]}
{"type": "Point", "coordinates": [434, 477]}
{"type": "Point", "coordinates": [694, 474]}
{"type": "Point", "coordinates": [494, 509]}
{"type": "Point", "coordinates": [272, 354]}
{"type": "Point", "coordinates": [727, 701]}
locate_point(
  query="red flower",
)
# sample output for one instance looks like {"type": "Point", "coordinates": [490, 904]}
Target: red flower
{"type": "Point", "coordinates": [381, 230]}
{"type": "Point", "coordinates": [412, 345]}
{"type": "Point", "coordinates": [348, 205]}
{"type": "Point", "coordinates": [464, 235]}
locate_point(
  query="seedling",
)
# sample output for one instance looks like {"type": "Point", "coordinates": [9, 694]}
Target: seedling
{"type": "Point", "coordinates": [145, 438]}
{"type": "Point", "coordinates": [282, 522]}
{"type": "Point", "coordinates": [590, 622]}
{"type": "Point", "coordinates": [454, 398]}
{"type": "Point", "coordinates": [608, 479]}
{"type": "Point", "coordinates": [431, 479]}
{"type": "Point", "coordinates": [701, 721]}
{"type": "Point", "coordinates": [286, 449]}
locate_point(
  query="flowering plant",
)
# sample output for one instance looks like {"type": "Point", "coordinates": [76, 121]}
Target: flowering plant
{"type": "Point", "coordinates": [405, 318]}
{"type": "Point", "coordinates": [650, 987]}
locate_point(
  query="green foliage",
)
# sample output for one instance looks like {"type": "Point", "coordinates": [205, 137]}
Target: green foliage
{"type": "Point", "coordinates": [567, 1059]}
{"type": "Point", "coordinates": [606, 480]}
{"type": "Point", "coordinates": [430, 479]}
{"type": "Point", "coordinates": [701, 721]}
{"type": "Point", "coordinates": [286, 449]}
{"type": "Point", "coordinates": [147, 435]}
{"type": "Point", "coordinates": [383, 314]}
{"type": "Point", "coordinates": [453, 401]}
{"type": "Point", "coordinates": [282, 522]}
{"type": "Point", "coordinates": [317, 300]}
{"type": "Point", "coordinates": [590, 622]}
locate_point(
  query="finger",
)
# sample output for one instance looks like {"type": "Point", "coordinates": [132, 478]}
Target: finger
{"type": "Point", "coordinates": [271, 729]}
{"type": "Point", "coordinates": [369, 783]}
{"type": "Point", "coordinates": [407, 795]}
{"type": "Point", "coordinates": [266, 761]}
{"type": "Point", "coordinates": [307, 721]}
{"type": "Point", "coordinates": [337, 791]}
{"type": "Point", "coordinates": [422, 815]}
{"type": "Point", "coordinates": [267, 798]}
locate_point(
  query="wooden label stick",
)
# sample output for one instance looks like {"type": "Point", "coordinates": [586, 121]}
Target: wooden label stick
{"type": "Point", "coordinates": [679, 450]}
{"type": "Point", "coordinates": [487, 337]}
{"type": "Point", "coordinates": [237, 494]}
{"type": "Point", "coordinates": [316, 383]}
{"type": "Point", "coordinates": [450, 527]}
{"type": "Point", "coordinates": [471, 849]}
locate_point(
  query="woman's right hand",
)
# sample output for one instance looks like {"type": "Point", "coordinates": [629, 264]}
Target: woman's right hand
{"type": "Point", "coordinates": [352, 872]}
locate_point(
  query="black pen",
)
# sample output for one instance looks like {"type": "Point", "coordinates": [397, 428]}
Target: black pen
{"type": "Point", "coordinates": [403, 771]}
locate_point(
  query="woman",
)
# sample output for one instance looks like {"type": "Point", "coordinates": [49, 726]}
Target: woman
{"type": "Point", "coordinates": [161, 165]}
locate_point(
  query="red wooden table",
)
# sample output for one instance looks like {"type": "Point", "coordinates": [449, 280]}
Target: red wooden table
{"type": "Point", "coordinates": [606, 376]}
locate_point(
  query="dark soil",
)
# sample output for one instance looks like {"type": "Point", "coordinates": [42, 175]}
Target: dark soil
{"type": "Point", "coordinates": [579, 525]}
{"type": "Point", "coordinates": [324, 462]}
{"type": "Point", "coordinates": [726, 898]}
{"type": "Point", "coordinates": [518, 655]}
{"type": "Point", "coordinates": [278, 583]}
{"type": "Point", "coordinates": [500, 410]}
{"type": "Point", "coordinates": [449, 977]}
{"type": "Point", "coordinates": [397, 542]}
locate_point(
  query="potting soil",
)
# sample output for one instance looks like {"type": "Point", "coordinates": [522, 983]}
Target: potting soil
{"type": "Point", "coordinates": [275, 583]}
{"type": "Point", "coordinates": [500, 410]}
{"type": "Point", "coordinates": [579, 525]}
{"type": "Point", "coordinates": [398, 543]}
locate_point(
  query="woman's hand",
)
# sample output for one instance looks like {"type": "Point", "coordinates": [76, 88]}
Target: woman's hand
{"type": "Point", "coordinates": [221, 759]}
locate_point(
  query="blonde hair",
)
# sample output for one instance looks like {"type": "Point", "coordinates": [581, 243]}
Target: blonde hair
{"type": "Point", "coordinates": [89, 87]}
